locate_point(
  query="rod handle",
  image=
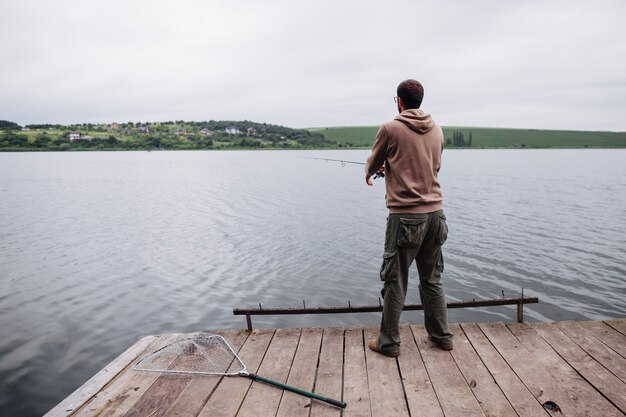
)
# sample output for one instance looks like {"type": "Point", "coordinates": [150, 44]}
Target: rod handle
{"type": "Point", "coordinates": [336, 403]}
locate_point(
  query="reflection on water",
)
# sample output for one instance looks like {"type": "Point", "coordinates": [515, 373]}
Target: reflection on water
{"type": "Point", "coordinates": [97, 249]}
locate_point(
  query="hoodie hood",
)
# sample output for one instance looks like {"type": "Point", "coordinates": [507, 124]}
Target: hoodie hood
{"type": "Point", "coordinates": [416, 120]}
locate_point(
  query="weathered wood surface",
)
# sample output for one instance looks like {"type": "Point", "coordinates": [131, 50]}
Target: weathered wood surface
{"type": "Point", "coordinates": [485, 388]}
{"type": "Point", "coordinates": [418, 387]}
{"type": "Point", "coordinates": [494, 370]}
{"type": "Point", "coordinates": [454, 393]}
{"type": "Point", "coordinates": [385, 385]}
{"type": "Point", "coordinates": [302, 374]}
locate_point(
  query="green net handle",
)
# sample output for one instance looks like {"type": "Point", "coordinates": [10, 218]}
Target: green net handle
{"type": "Point", "coordinates": [336, 403]}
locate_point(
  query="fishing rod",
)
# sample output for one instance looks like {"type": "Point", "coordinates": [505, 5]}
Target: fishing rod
{"type": "Point", "coordinates": [344, 162]}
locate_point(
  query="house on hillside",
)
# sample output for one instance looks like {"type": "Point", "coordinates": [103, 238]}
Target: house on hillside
{"type": "Point", "coordinates": [251, 131]}
{"type": "Point", "coordinates": [232, 130]}
{"type": "Point", "coordinates": [73, 135]}
{"type": "Point", "coordinates": [143, 130]}
{"type": "Point", "coordinates": [114, 126]}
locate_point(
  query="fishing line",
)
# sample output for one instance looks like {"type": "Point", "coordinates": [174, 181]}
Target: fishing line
{"type": "Point", "coordinates": [344, 162]}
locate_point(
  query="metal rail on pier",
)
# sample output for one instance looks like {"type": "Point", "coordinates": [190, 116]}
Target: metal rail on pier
{"type": "Point", "coordinates": [261, 311]}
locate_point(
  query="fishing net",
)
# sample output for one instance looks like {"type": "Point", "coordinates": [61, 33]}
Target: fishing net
{"type": "Point", "coordinates": [201, 353]}
{"type": "Point", "coordinates": [209, 354]}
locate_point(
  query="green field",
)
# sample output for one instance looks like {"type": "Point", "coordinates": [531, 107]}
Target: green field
{"type": "Point", "coordinates": [483, 137]}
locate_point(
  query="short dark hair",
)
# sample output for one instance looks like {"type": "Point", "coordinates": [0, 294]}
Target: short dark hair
{"type": "Point", "coordinates": [412, 93]}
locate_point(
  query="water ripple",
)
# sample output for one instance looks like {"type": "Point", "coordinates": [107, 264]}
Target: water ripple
{"type": "Point", "coordinates": [97, 249]}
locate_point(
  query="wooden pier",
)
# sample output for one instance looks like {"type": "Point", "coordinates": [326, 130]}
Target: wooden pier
{"type": "Point", "coordinates": [495, 369]}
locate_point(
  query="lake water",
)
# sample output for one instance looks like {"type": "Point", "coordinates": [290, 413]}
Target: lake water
{"type": "Point", "coordinates": [100, 248]}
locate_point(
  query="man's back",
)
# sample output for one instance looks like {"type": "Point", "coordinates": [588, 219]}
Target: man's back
{"type": "Point", "coordinates": [410, 146]}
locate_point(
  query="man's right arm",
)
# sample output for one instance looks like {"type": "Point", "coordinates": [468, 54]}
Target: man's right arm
{"type": "Point", "coordinates": [376, 160]}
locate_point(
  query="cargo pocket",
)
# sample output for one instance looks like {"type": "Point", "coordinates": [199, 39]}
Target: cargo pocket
{"type": "Point", "coordinates": [440, 264]}
{"type": "Point", "coordinates": [411, 232]}
{"type": "Point", "coordinates": [443, 229]}
{"type": "Point", "coordinates": [389, 268]}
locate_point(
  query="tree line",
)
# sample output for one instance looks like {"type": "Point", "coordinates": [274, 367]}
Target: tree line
{"type": "Point", "coordinates": [165, 135]}
{"type": "Point", "coordinates": [458, 139]}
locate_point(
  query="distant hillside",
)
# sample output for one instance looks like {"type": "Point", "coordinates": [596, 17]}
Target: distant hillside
{"type": "Point", "coordinates": [160, 135]}
{"type": "Point", "coordinates": [245, 134]}
{"type": "Point", "coordinates": [482, 137]}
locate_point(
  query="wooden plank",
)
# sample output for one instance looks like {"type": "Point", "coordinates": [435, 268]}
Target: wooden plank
{"type": "Point", "coordinates": [182, 395]}
{"type": "Point", "coordinates": [230, 393]}
{"type": "Point", "coordinates": [597, 375]}
{"type": "Point", "coordinates": [515, 391]}
{"type": "Point", "coordinates": [420, 394]}
{"type": "Point", "coordinates": [454, 394]}
{"type": "Point", "coordinates": [122, 392]}
{"type": "Point", "coordinates": [598, 350]}
{"type": "Point", "coordinates": [263, 399]}
{"type": "Point", "coordinates": [302, 374]}
{"type": "Point", "coordinates": [329, 381]}
{"type": "Point", "coordinates": [90, 388]}
{"type": "Point", "coordinates": [159, 396]}
{"type": "Point", "coordinates": [580, 366]}
{"type": "Point", "coordinates": [543, 386]}
{"type": "Point", "coordinates": [486, 390]}
{"type": "Point", "coordinates": [607, 335]}
{"type": "Point", "coordinates": [584, 396]}
{"type": "Point", "coordinates": [617, 324]}
{"type": "Point", "coordinates": [355, 387]}
{"type": "Point", "coordinates": [385, 388]}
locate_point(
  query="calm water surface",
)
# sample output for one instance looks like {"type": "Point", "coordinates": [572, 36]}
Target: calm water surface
{"type": "Point", "coordinates": [98, 249]}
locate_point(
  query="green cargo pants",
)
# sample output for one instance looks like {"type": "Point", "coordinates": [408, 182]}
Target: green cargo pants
{"type": "Point", "coordinates": [414, 237]}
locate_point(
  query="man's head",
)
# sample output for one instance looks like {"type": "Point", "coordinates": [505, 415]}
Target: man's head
{"type": "Point", "coordinates": [411, 93]}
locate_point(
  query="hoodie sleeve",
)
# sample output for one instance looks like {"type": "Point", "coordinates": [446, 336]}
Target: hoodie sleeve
{"type": "Point", "coordinates": [379, 152]}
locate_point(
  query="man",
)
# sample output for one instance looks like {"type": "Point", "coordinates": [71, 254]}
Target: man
{"type": "Point", "coordinates": [408, 151]}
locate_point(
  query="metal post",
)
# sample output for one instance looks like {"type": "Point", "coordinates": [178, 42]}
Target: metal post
{"type": "Point", "coordinates": [249, 321]}
{"type": "Point", "coordinates": [520, 308]}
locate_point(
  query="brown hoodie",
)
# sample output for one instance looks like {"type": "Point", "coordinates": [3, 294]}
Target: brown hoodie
{"type": "Point", "coordinates": [410, 146]}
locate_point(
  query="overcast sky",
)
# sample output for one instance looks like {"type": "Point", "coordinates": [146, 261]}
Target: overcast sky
{"type": "Point", "coordinates": [499, 63]}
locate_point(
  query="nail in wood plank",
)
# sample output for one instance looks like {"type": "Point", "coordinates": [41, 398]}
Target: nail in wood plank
{"type": "Point", "coordinates": [543, 386]}
{"type": "Point", "coordinates": [454, 394]}
{"type": "Point", "coordinates": [486, 390]}
{"type": "Point", "coordinates": [513, 388]}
